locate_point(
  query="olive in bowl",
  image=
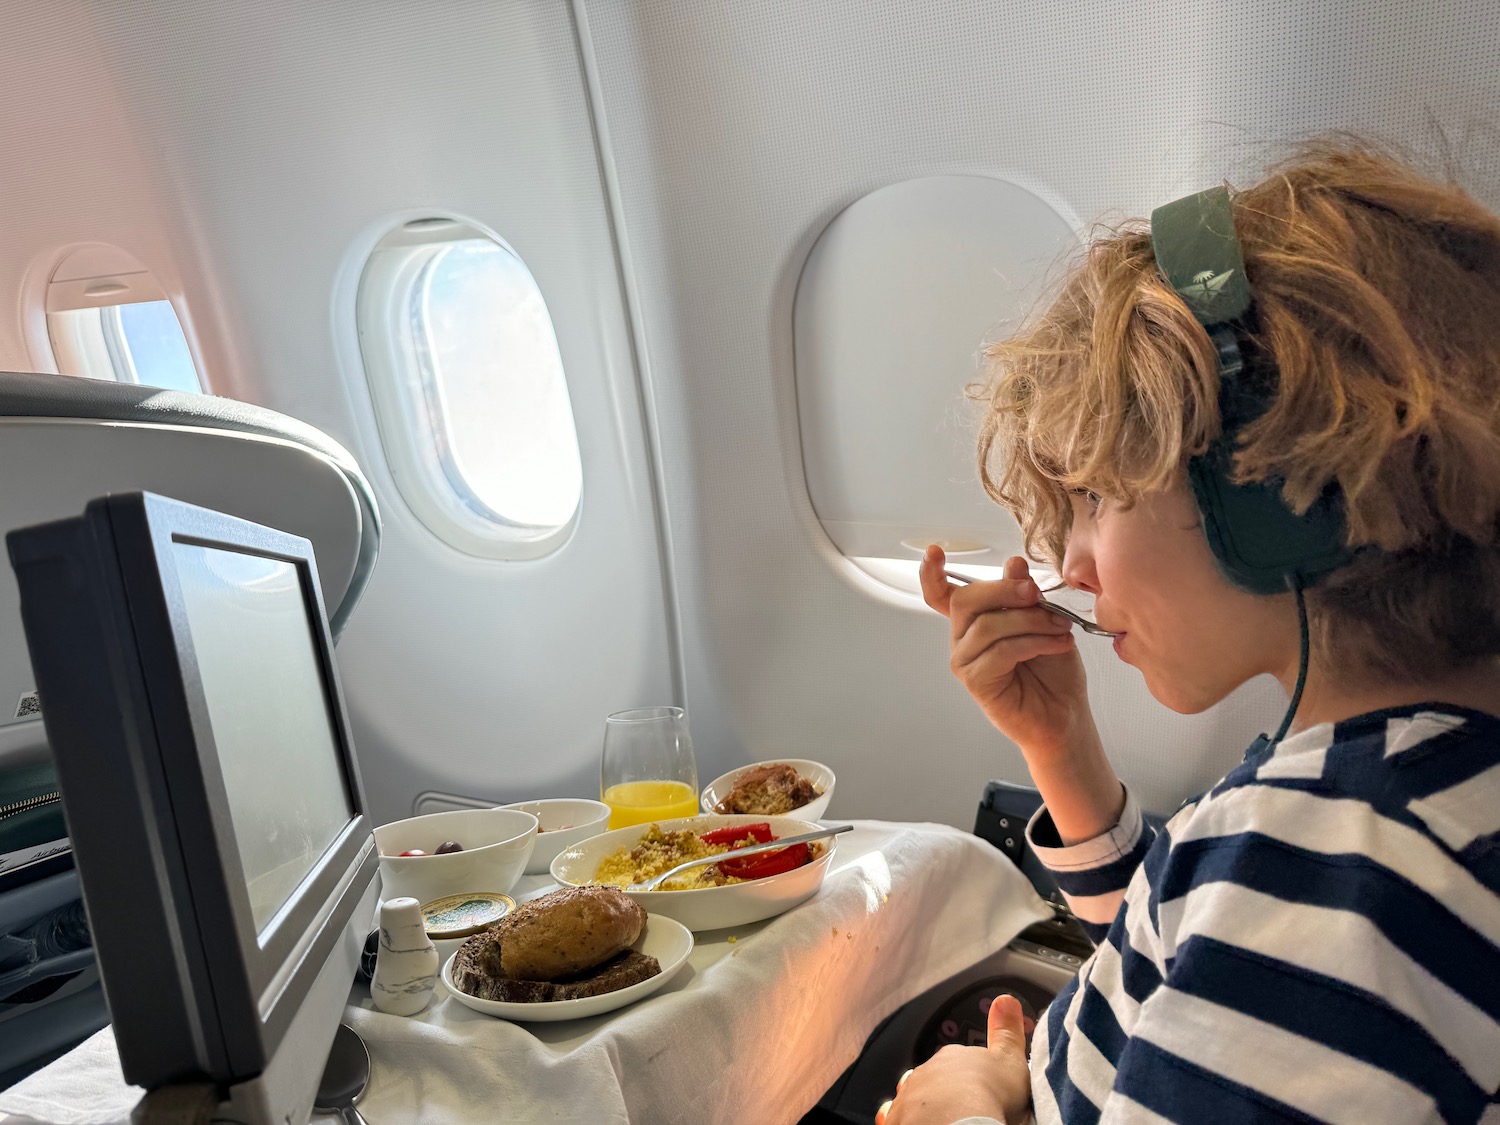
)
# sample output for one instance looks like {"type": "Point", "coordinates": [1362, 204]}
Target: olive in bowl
{"type": "Point", "coordinates": [496, 845]}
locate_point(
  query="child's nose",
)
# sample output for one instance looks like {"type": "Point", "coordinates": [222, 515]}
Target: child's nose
{"type": "Point", "coordinates": [1078, 565]}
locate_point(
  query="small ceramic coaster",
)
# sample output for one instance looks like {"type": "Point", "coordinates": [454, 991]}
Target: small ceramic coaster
{"type": "Point", "coordinates": [461, 916]}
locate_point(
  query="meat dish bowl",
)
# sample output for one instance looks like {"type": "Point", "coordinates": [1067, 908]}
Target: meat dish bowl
{"type": "Point", "coordinates": [769, 790]}
{"type": "Point", "coordinates": [796, 787]}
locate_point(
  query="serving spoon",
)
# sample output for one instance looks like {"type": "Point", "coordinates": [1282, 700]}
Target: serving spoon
{"type": "Point", "coordinates": [750, 849]}
{"type": "Point", "coordinates": [1062, 611]}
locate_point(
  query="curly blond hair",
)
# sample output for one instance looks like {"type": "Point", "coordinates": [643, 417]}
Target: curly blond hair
{"type": "Point", "coordinates": [1377, 291]}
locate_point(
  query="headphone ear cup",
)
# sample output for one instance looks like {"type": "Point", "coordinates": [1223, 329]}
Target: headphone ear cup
{"type": "Point", "coordinates": [1259, 543]}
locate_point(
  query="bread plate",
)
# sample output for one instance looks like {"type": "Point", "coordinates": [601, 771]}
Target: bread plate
{"type": "Point", "coordinates": [668, 941]}
{"type": "Point", "coordinates": [705, 908]}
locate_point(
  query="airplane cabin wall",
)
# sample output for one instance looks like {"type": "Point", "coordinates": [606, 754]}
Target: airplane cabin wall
{"type": "Point", "coordinates": [663, 167]}
{"type": "Point", "coordinates": [277, 143]}
{"type": "Point", "coordinates": [75, 170]}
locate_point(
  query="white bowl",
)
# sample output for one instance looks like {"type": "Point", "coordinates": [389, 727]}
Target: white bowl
{"type": "Point", "coordinates": [815, 772]}
{"type": "Point", "coordinates": [706, 908]}
{"type": "Point", "coordinates": [668, 941]}
{"type": "Point", "coordinates": [563, 821]}
{"type": "Point", "coordinates": [497, 845]}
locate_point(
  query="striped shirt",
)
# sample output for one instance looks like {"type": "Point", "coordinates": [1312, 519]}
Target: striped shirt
{"type": "Point", "coordinates": [1315, 939]}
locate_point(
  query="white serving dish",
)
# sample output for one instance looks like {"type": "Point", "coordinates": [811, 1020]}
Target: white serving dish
{"type": "Point", "coordinates": [497, 845]}
{"type": "Point", "coordinates": [815, 772]}
{"type": "Point", "coordinates": [668, 941]}
{"type": "Point", "coordinates": [706, 908]}
{"type": "Point", "coordinates": [584, 818]}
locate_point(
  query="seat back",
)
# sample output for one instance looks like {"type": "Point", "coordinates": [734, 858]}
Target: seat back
{"type": "Point", "coordinates": [65, 441]}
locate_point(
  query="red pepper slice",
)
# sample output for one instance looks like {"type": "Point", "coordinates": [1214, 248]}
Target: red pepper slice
{"type": "Point", "coordinates": [738, 833]}
{"type": "Point", "coordinates": [766, 863]}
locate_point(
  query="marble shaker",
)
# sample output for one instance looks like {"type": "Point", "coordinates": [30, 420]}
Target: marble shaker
{"type": "Point", "coordinates": [406, 966]}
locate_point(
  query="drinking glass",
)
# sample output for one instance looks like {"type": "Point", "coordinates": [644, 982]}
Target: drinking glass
{"type": "Point", "coordinates": [647, 771]}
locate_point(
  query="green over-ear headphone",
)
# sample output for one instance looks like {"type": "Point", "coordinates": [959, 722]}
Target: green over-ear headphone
{"type": "Point", "coordinates": [1261, 545]}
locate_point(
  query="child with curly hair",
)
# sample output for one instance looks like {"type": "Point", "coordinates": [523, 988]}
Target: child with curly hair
{"type": "Point", "coordinates": [1318, 937]}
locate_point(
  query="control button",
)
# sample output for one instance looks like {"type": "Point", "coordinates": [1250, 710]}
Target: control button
{"type": "Point", "coordinates": [984, 1005]}
{"type": "Point", "coordinates": [950, 1029]}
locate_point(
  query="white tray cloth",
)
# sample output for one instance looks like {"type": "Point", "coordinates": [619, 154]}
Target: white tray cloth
{"type": "Point", "coordinates": [754, 1029]}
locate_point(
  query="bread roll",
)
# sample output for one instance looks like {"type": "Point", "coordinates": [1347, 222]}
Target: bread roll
{"type": "Point", "coordinates": [562, 934]}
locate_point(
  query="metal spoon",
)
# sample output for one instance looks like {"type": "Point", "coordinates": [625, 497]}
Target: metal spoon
{"type": "Point", "coordinates": [1062, 611]}
{"type": "Point", "coordinates": [345, 1075]}
{"type": "Point", "coordinates": [749, 849]}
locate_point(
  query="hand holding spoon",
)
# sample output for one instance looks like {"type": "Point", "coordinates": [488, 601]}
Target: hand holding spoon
{"type": "Point", "coordinates": [1062, 611]}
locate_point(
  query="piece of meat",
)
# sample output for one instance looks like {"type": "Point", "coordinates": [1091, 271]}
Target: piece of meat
{"type": "Point", "coordinates": [768, 791]}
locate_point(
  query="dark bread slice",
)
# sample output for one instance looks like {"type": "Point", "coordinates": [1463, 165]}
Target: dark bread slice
{"type": "Point", "coordinates": [620, 971]}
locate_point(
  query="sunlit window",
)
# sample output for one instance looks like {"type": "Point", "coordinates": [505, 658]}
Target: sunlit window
{"type": "Point", "coordinates": [108, 318]}
{"type": "Point", "coordinates": [139, 343]}
{"type": "Point", "coordinates": [469, 389]}
{"type": "Point", "coordinates": [153, 347]}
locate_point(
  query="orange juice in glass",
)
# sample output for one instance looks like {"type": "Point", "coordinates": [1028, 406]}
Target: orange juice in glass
{"type": "Point", "coordinates": [648, 771]}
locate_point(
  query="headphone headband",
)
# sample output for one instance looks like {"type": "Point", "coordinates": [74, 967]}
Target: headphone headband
{"type": "Point", "coordinates": [1197, 249]}
{"type": "Point", "coordinates": [1260, 544]}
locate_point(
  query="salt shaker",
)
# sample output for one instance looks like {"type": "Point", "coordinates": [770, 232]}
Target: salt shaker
{"type": "Point", "coordinates": [406, 966]}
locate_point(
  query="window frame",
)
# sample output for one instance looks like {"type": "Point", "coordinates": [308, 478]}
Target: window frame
{"type": "Point", "coordinates": [408, 398]}
{"type": "Point", "coordinates": [80, 345]}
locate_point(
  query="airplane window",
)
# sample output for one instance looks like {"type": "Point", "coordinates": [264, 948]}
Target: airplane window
{"type": "Point", "coordinates": [108, 318]}
{"type": "Point", "coordinates": [469, 389]}
{"type": "Point", "coordinates": [898, 296]}
{"type": "Point", "coordinates": [154, 346]}
{"type": "Point", "coordinates": [138, 343]}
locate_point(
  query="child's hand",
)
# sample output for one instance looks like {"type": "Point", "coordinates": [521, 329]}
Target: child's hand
{"type": "Point", "coordinates": [1019, 663]}
{"type": "Point", "coordinates": [958, 1082]}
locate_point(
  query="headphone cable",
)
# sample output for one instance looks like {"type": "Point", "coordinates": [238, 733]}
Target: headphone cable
{"type": "Point", "coordinates": [1286, 720]}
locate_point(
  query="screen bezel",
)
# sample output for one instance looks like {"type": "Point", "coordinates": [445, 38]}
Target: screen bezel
{"type": "Point", "coordinates": [256, 980]}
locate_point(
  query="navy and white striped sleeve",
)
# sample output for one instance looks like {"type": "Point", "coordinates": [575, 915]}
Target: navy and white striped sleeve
{"type": "Point", "coordinates": [1093, 875]}
{"type": "Point", "coordinates": [1356, 989]}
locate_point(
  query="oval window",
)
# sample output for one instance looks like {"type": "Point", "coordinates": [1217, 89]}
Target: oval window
{"type": "Point", "coordinates": [108, 318]}
{"type": "Point", "coordinates": [899, 292]}
{"type": "Point", "coordinates": [469, 389]}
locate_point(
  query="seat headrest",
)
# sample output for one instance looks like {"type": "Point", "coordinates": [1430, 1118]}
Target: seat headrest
{"type": "Point", "coordinates": [65, 441]}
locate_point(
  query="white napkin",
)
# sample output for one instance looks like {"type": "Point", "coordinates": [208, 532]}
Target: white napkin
{"type": "Point", "coordinates": [84, 1087]}
{"type": "Point", "coordinates": [752, 1030]}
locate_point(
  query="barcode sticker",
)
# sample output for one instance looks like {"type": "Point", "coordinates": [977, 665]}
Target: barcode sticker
{"type": "Point", "coordinates": [28, 704]}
